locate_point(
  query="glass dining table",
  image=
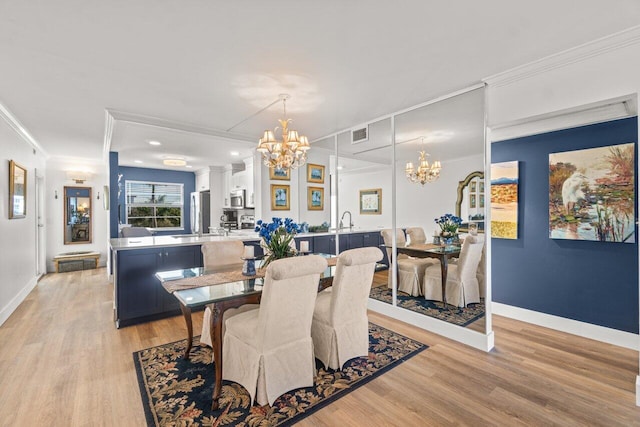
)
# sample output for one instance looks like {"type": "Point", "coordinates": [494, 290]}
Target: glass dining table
{"type": "Point", "coordinates": [440, 252]}
{"type": "Point", "coordinates": [221, 290]}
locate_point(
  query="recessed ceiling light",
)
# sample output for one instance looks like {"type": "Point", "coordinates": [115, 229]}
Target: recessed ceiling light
{"type": "Point", "coordinates": [340, 168]}
{"type": "Point", "coordinates": [137, 161]}
{"type": "Point", "coordinates": [189, 166]}
{"type": "Point", "coordinates": [234, 153]}
{"type": "Point", "coordinates": [155, 143]}
{"type": "Point", "coordinates": [174, 162]}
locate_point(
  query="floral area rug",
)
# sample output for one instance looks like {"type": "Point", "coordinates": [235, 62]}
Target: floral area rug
{"type": "Point", "coordinates": [177, 392]}
{"type": "Point", "coordinates": [456, 315]}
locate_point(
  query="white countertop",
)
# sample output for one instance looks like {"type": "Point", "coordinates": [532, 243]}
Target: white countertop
{"type": "Point", "coordinates": [126, 243]}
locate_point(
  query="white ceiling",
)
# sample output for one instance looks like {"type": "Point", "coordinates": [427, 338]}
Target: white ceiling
{"type": "Point", "coordinates": [203, 67]}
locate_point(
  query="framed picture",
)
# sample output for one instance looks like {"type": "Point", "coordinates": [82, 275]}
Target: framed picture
{"type": "Point", "coordinates": [280, 197]}
{"type": "Point", "coordinates": [315, 173]}
{"type": "Point", "coordinates": [481, 201]}
{"type": "Point", "coordinates": [481, 186]}
{"type": "Point", "coordinates": [17, 191]}
{"type": "Point", "coordinates": [504, 200]}
{"type": "Point", "coordinates": [472, 188]}
{"type": "Point", "coordinates": [472, 201]}
{"type": "Point", "coordinates": [280, 174]}
{"type": "Point", "coordinates": [315, 198]}
{"type": "Point", "coordinates": [371, 201]}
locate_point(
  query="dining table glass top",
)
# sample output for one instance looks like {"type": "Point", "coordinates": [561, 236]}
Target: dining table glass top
{"type": "Point", "coordinates": [203, 295]}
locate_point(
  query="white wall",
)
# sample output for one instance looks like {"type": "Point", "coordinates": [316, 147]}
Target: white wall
{"type": "Point", "coordinates": [313, 217]}
{"type": "Point", "coordinates": [18, 236]}
{"type": "Point", "coordinates": [349, 186]}
{"type": "Point", "coordinates": [418, 205]}
{"type": "Point", "coordinates": [56, 181]}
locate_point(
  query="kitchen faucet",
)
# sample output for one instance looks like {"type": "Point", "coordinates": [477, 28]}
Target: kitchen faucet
{"type": "Point", "coordinates": [350, 220]}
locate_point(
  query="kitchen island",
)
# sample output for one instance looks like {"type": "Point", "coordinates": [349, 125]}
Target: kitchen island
{"type": "Point", "coordinates": [138, 295]}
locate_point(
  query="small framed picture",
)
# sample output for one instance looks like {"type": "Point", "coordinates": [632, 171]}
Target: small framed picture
{"type": "Point", "coordinates": [473, 188]}
{"type": "Point", "coordinates": [371, 201]}
{"type": "Point", "coordinates": [280, 197]}
{"type": "Point", "coordinates": [315, 198]}
{"type": "Point", "coordinates": [481, 204]}
{"type": "Point", "coordinates": [481, 186]}
{"type": "Point", "coordinates": [280, 174]}
{"type": "Point", "coordinates": [17, 191]}
{"type": "Point", "coordinates": [315, 173]}
{"type": "Point", "coordinates": [472, 201]}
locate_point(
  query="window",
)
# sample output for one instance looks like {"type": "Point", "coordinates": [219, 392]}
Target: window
{"type": "Point", "coordinates": [156, 205]}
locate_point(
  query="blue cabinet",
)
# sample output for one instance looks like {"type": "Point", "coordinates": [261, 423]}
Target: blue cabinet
{"type": "Point", "coordinates": [324, 244]}
{"type": "Point", "coordinates": [139, 294]}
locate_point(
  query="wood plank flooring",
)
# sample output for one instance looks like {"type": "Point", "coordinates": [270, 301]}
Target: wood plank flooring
{"type": "Point", "coordinates": [63, 363]}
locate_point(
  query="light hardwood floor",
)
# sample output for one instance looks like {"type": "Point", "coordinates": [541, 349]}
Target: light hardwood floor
{"type": "Point", "coordinates": [63, 363]}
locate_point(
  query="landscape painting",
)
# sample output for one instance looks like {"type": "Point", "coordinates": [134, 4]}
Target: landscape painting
{"type": "Point", "coordinates": [592, 194]}
{"type": "Point", "coordinates": [504, 200]}
{"type": "Point", "coordinates": [280, 197]}
{"type": "Point", "coordinates": [315, 198]}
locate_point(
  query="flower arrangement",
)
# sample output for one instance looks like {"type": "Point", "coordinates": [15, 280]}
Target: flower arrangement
{"type": "Point", "coordinates": [449, 224]}
{"type": "Point", "coordinates": [277, 238]}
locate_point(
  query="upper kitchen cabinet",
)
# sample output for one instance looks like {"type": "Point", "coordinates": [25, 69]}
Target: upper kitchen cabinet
{"type": "Point", "coordinates": [249, 184]}
{"type": "Point", "coordinates": [238, 176]}
{"type": "Point", "coordinates": [202, 180]}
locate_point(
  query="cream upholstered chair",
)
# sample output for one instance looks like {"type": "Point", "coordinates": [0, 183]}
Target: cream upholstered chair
{"type": "Point", "coordinates": [269, 350]}
{"type": "Point", "coordinates": [416, 236]}
{"type": "Point", "coordinates": [462, 285]}
{"type": "Point", "coordinates": [340, 328]}
{"type": "Point", "coordinates": [410, 270]}
{"type": "Point", "coordinates": [221, 256]}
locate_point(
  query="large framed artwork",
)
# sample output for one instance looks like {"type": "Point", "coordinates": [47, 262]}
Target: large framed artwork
{"type": "Point", "coordinates": [17, 191]}
{"type": "Point", "coordinates": [592, 194]}
{"type": "Point", "coordinates": [504, 200]}
{"type": "Point", "coordinates": [280, 174]}
{"type": "Point", "coordinates": [371, 202]}
{"type": "Point", "coordinates": [315, 198]}
{"type": "Point", "coordinates": [315, 173]}
{"type": "Point", "coordinates": [280, 197]}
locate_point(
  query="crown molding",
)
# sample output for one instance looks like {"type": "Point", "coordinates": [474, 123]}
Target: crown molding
{"type": "Point", "coordinates": [20, 130]}
{"type": "Point", "coordinates": [598, 112]}
{"type": "Point", "coordinates": [570, 56]}
{"type": "Point", "coordinates": [112, 116]}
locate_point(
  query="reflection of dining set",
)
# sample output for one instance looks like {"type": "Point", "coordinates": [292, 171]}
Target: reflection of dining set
{"type": "Point", "coordinates": [266, 329]}
{"type": "Point", "coordinates": [450, 274]}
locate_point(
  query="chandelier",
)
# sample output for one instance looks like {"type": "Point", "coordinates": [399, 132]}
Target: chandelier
{"type": "Point", "coordinates": [426, 172]}
{"type": "Point", "coordinates": [288, 153]}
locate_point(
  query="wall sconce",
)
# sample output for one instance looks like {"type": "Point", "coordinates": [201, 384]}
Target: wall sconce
{"type": "Point", "coordinates": [98, 196]}
{"type": "Point", "coordinates": [55, 195]}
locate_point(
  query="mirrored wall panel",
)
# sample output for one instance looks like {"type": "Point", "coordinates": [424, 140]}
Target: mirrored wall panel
{"type": "Point", "coordinates": [440, 194]}
{"type": "Point", "coordinates": [77, 214]}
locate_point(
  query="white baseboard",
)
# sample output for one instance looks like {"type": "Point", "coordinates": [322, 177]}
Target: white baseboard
{"type": "Point", "coordinates": [466, 336]}
{"type": "Point", "coordinates": [570, 326]}
{"type": "Point", "coordinates": [7, 310]}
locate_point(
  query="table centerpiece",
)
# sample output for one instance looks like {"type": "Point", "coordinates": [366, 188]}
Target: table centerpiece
{"type": "Point", "coordinates": [277, 238]}
{"type": "Point", "coordinates": [449, 225]}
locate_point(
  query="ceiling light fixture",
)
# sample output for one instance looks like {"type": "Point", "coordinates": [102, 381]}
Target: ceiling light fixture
{"type": "Point", "coordinates": [234, 153]}
{"type": "Point", "coordinates": [426, 172]}
{"type": "Point", "coordinates": [290, 152]}
{"type": "Point", "coordinates": [174, 162]}
{"type": "Point", "coordinates": [137, 161]}
{"type": "Point", "coordinates": [155, 143]}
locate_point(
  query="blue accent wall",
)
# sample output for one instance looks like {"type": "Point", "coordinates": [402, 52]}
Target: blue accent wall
{"type": "Point", "coordinates": [113, 194]}
{"type": "Point", "coordinates": [588, 281]}
{"type": "Point", "coordinates": [117, 211]}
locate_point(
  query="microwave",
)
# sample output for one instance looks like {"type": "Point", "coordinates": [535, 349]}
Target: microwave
{"type": "Point", "coordinates": [237, 199]}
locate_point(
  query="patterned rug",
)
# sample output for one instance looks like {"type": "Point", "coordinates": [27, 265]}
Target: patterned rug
{"type": "Point", "coordinates": [456, 315]}
{"type": "Point", "coordinates": [177, 392]}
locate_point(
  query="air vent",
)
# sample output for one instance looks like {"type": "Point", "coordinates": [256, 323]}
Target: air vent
{"type": "Point", "coordinates": [360, 135]}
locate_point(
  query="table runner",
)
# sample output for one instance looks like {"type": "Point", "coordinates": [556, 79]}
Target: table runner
{"type": "Point", "coordinates": [219, 278]}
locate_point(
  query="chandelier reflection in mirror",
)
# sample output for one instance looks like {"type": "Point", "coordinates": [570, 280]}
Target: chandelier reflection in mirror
{"type": "Point", "coordinates": [425, 172]}
{"type": "Point", "coordinates": [288, 153]}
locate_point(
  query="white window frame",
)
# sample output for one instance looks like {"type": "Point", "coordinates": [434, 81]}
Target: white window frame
{"type": "Point", "coordinates": [155, 205]}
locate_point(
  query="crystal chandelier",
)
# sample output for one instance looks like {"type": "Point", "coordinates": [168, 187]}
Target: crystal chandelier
{"type": "Point", "coordinates": [288, 153]}
{"type": "Point", "coordinates": [426, 172]}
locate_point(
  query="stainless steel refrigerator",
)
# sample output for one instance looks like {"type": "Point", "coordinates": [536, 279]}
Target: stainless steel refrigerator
{"type": "Point", "coordinates": [200, 212]}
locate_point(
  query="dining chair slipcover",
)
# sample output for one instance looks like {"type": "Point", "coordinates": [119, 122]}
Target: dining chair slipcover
{"type": "Point", "coordinates": [462, 284]}
{"type": "Point", "coordinates": [340, 328]}
{"type": "Point", "coordinates": [135, 232]}
{"type": "Point", "coordinates": [221, 256]}
{"type": "Point", "coordinates": [416, 235]}
{"type": "Point", "coordinates": [269, 350]}
{"type": "Point", "coordinates": [410, 270]}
